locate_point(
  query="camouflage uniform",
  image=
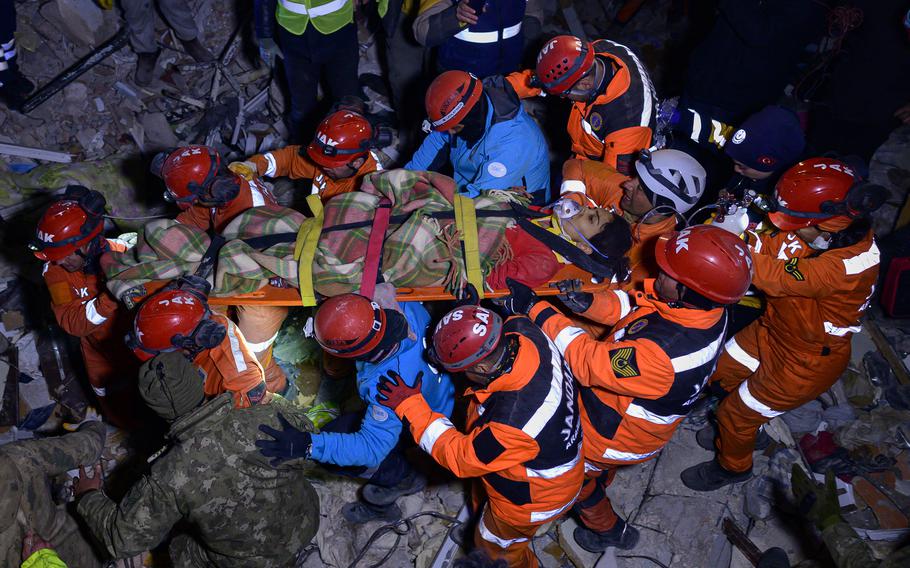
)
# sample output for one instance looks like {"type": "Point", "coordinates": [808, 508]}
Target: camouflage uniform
{"type": "Point", "coordinates": [243, 511]}
{"type": "Point", "coordinates": [26, 502]}
{"type": "Point", "coordinates": [850, 551]}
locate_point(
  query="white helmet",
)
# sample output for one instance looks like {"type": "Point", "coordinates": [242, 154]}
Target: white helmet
{"type": "Point", "coordinates": [672, 177]}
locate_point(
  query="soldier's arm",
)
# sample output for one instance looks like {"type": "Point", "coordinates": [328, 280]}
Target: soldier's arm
{"type": "Point", "coordinates": [78, 316]}
{"type": "Point", "coordinates": [634, 368]}
{"type": "Point", "coordinates": [493, 447]}
{"type": "Point", "coordinates": [847, 549]}
{"type": "Point", "coordinates": [138, 523]}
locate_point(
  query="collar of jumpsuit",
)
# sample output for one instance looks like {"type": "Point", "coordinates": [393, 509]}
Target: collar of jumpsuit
{"type": "Point", "coordinates": [691, 317]}
{"type": "Point", "coordinates": [516, 378]}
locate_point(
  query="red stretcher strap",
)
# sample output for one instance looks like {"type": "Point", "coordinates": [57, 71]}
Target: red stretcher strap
{"type": "Point", "coordinates": [374, 248]}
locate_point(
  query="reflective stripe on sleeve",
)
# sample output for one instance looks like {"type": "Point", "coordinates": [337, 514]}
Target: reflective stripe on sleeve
{"type": "Point", "coordinates": [832, 329]}
{"type": "Point", "coordinates": [543, 516]}
{"type": "Point", "coordinates": [645, 414]}
{"type": "Point", "coordinates": [436, 429]}
{"type": "Point", "coordinates": [100, 391]}
{"type": "Point", "coordinates": [696, 125]}
{"type": "Point", "coordinates": [567, 336]}
{"type": "Point", "coordinates": [617, 455]}
{"type": "Point", "coordinates": [625, 306]}
{"type": "Point", "coordinates": [755, 404]}
{"type": "Point", "coordinates": [554, 472]}
{"type": "Point", "coordinates": [91, 313]}
{"type": "Point", "coordinates": [239, 361]}
{"type": "Point", "coordinates": [863, 261]}
{"type": "Point", "coordinates": [273, 167]}
{"type": "Point", "coordinates": [698, 358]}
{"type": "Point", "coordinates": [488, 37]}
{"type": "Point", "coordinates": [740, 356]}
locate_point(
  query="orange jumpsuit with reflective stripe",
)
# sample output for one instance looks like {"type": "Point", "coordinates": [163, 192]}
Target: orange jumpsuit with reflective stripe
{"type": "Point", "coordinates": [637, 385]}
{"type": "Point", "coordinates": [620, 121]}
{"type": "Point", "coordinates": [289, 162]}
{"type": "Point", "coordinates": [232, 366]}
{"type": "Point", "coordinates": [799, 347]}
{"type": "Point", "coordinates": [523, 441]}
{"type": "Point", "coordinates": [85, 309]}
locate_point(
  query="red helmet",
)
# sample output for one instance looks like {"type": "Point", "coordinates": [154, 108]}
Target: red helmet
{"type": "Point", "coordinates": [707, 259]}
{"type": "Point", "coordinates": [450, 98]}
{"type": "Point", "coordinates": [349, 325]}
{"type": "Point", "coordinates": [164, 319]}
{"type": "Point", "coordinates": [464, 336]}
{"type": "Point", "coordinates": [809, 193]}
{"type": "Point", "coordinates": [64, 228]}
{"type": "Point", "coordinates": [562, 62]}
{"type": "Point", "coordinates": [187, 172]}
{"type": "Point", "coordinates": [342, 137]}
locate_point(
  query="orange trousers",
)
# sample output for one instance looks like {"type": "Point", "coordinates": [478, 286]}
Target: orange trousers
{"type": "Point", "coordinates": [506, 539]}
{"type": "Point", "coordinates": [593, 506]}
{"type": "Point", "coordinates": [259, 326]}
{"type": "Point", "coordinates": [764, 379]}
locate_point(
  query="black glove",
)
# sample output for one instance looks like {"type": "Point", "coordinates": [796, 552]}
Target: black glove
{"type": "Point", "coordinates": [574, 299]}
{"type": "Point", "coordinates": [288, 444]}
{"type": "Point", "coordinates": [195, 283]}
{"type": "Point", "coordinates": [520, 299]}
{"type": "Point", "coordinates": [468, 296]}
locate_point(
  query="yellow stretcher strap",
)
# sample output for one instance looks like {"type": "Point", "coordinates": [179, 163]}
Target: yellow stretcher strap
{"type": "Point", "coordinates": [466, 222]}
{"type": "Point", "coordinates": [305, 249]}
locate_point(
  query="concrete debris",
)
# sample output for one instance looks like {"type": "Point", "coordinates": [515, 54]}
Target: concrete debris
{"type": "Point", "coordinates": [158, 133]}
{"type": "Point", "coordinates": [36, 153]}
{"type": "Point", "coordinates": [82, 20]}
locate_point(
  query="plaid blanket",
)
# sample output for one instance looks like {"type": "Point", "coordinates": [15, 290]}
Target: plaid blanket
{"type": "Point", "coordinates": [420, 251]}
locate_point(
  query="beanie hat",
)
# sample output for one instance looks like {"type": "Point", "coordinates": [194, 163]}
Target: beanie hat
{"type": "Point", "coordinates": [768, 141]}
{"type": "Point", "coordinates": [170, 385]}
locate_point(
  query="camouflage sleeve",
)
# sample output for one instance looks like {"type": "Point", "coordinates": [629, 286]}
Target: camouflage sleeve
{"type": "Point", "coordinates": [138, 523]}
{"type": "Point", "coordinates": [846, 547]}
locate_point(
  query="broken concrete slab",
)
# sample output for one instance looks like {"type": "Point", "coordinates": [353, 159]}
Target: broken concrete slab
{"type": "Point", "coordinates": [158, 133]}
{"type": "Point", "coordinates": [80, 20]}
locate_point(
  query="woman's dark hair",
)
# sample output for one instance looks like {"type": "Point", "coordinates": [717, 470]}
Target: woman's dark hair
{"type": "Point", "coordinates": [613, 242]}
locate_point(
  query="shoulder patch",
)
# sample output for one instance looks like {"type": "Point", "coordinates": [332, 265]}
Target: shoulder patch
{"type": "Point", "coordinates": [792, 269]}
{"type": "Point", "coordinates": [378, 413]}
{"type": "Point", "coordinates": [739, 136]}
{"type": "Point", "coordinates": [497, 169]}
{"type": "Point", "coordinates": [624, 362]}
{"type": "Point", "coordinates": [595, 120]}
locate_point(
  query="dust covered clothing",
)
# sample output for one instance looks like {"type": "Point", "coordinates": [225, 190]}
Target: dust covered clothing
{"type": "Point", "coordinates": [244, 513]}
{"type": "Point", "coordinates": [25, 499]}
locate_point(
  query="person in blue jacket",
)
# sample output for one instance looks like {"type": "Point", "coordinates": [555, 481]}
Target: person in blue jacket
{"type": "Point", "coordinates": [368, 444]}
{"type": "Point", "coordinates": [482, 129]}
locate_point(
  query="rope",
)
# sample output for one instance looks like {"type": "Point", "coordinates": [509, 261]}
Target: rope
{"type": "Point", "coordinates": [136, 218]}
{"type": "Point", "coordinates": [400, 528]}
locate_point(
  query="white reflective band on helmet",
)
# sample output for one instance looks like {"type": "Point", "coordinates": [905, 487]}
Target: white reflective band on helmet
{"type": "Point", "coordinates": [239, 361]}
{"type": "Point", "coordinates": [574, 185]}
{"type": "Point", "coordinates": [740, 356]}
{"type": "Point", "coordinates": [449, 115]}
{"type": "Point", "coordinates": [490, 537]}
{"type": "Point", "coordinates": [272, 167]}
{"type": "Point", "coordinates": [617, 455]}
{"type": "Point", "coordinates": [832, 329]}
{"type": "Point", "coordinates": [863, 261]}
{"type": "Point", "coordinates": [625, 306]}
{"type": "Point", "coordinates": [315, 11]}
{"type": "Point", "coordinates": [566, 336]}
{"type": "Point", "coordinates": [639, 412]}
{"type": "Point", "coordinates": [100, 391]}
{"type": "Point", "coordinates": [543, 516]}
{"type": "Point", "coordinates": [91, 313]}
{"type": "Point", "coordinates": [488, 37]}
{"type": "Point", "coordinates": [754, 404]}
{"type": "Point", "coordinates": [698, 358]}
{"type": "Point", "coordinates": [262, 345]}
{"type": "Point", "coordinates": [553, 472]}
{"type": "Point", "coordinates": [436, 429]}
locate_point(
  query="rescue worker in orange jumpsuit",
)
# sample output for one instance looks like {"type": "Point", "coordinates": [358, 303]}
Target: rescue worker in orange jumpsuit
{"type": "Point", "coordinates": [69, 239]}
{"type": "Point", "coordinates": [640, 382]}
{"type": "Point", "coordinates": [178, 318]}
{"type": "Point", "coordinates": [209, 200]}
{"type": "Point", "coordinates": [336, 161]}
{"type": "Point", "coordinates": [614, 105]}
{"type": "Point", "coordinates": [524, 434]}
{"type": "Point", "coordinates": [817, 272]}
{"type": "Point", "coordinates": [665, 184]}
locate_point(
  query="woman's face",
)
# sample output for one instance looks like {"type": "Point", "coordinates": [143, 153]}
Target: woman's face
{"type": "Point", "coordinates": [589, 222]}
